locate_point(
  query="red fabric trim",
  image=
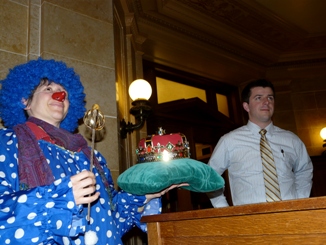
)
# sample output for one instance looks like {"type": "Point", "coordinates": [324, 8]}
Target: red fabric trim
{"type": "Point", "coordinates": [39, 132]}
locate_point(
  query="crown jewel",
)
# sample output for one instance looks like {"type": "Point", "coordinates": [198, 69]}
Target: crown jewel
{"type": "Point", "coordinates": [163, 147]}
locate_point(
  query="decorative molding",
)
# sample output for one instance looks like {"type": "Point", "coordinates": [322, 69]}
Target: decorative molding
{"type": "Point", "coordinates": [157, 21]}
{"type": "Point", "coordinates": [239, 16]}
{"type": "Point", "coordinates": [243, 29]}
{"type": "Point", "coordinates": [299, 64]}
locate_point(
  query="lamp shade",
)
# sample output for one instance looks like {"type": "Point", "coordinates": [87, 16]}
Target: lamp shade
{"type": "Point", "coordinates": [140, 89]}
{"type": "Point", "coordinates": [323, 133]}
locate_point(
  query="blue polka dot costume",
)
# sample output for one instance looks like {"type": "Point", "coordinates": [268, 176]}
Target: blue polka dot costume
{"type": "Point", "coordinates": [48, 214]}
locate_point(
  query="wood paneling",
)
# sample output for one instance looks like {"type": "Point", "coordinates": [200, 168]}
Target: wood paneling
{"type": "Point", "coordinates": [287, 222]}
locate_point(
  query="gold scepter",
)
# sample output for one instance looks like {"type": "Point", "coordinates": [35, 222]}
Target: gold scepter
{"type": "Point", "coordinates": [93, 119]}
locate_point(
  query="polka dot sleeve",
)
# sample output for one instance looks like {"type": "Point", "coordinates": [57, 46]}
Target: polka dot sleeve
{"type": "Point", "coordinates": [31, 216]}
{"type": "Point", "coordinates": [126, 205]}
{"type": "Point", "coordinates": [127, 214]}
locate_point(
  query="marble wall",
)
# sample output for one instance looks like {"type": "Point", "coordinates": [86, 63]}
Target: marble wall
{"type": "Point", "coordinates": [77, 32]}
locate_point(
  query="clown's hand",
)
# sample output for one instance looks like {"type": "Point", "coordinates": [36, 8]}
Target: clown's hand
{"type": "Point", "coordinates": [161, 193]}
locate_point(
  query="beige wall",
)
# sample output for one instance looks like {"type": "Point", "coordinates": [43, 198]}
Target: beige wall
{"type": "Point", "coordinates": [79, 33]}
{"type": "Point", "coordinates": [301, 102]}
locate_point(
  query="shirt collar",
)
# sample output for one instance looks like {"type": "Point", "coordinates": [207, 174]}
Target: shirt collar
{"type": "Point", "coordinates": [254, 128]}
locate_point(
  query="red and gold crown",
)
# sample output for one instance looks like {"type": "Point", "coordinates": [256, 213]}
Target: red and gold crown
{"type": "Point", "coordinates": [163, 147]}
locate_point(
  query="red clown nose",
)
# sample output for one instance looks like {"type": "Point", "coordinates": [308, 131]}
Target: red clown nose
{"type": "Point", "coordinates": [59, 96]}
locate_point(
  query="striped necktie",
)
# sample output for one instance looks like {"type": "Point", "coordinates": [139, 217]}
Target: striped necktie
{"type": "Point", "coordinates": [270, 177]}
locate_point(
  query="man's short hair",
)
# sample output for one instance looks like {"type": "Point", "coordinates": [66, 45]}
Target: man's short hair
{"type": "Point", "coordinates": [246, 92]}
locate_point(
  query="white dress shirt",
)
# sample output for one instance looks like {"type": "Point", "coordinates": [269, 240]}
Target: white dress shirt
{"type": "Point", "coordinates": [239, 152]}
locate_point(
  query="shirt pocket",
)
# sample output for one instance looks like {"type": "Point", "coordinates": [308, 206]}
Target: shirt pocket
{"type": "Point", "coordinates": [284, 161]}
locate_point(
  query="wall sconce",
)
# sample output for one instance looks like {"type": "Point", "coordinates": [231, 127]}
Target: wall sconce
{"type": "Point", "coordinates": [323, 135]}
{"type": "Point", "coordinates": [139, 91]}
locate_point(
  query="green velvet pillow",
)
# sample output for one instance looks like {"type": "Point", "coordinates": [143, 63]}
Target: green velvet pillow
{"type": "Point", "coordinates": [152, 177]}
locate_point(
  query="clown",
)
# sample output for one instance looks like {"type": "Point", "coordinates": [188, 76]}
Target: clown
{"type": "Point", "coordinates": [45, 179]}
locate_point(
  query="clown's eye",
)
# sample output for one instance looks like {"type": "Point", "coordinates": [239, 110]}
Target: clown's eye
{"type": "Point", "coordinates": [49, 89]}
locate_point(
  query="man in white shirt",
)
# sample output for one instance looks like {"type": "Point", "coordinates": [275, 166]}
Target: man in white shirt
{"type": "Point", "coordinates": [239, 153]}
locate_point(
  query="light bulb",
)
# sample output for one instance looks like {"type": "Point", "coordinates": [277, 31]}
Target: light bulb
{"type": "Point", "coordinates": [323, 133]}
{"type": "Point", "coordinates": [140, 89]}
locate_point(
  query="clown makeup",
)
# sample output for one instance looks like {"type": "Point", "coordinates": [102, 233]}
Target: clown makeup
{"type": "Point", "coordinates": [27, 77]}
{"type": "Point", "coordinates": [48, 102]}
{"type": "Point", "coordinates": [60, 95]}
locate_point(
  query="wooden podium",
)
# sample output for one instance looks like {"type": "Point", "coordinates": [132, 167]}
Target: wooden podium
{"type": "Point", "coordinates": [300, 221]}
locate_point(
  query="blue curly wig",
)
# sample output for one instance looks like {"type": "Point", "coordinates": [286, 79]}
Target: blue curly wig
{"type": "Point", "coordinates": [23, 79]}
